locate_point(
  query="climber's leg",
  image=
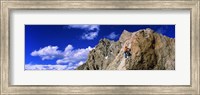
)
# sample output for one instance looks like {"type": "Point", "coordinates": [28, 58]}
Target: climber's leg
{"type": "Point", "coordinates": [125, 54]}
{"type": "Point", "coordinates": [128, 54]}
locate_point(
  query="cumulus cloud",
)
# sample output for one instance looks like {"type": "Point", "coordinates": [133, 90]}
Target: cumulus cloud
{"type": "Point", "coordinates": [112, 35]}
{"type": "Point", "coordinates": [45, 67]}
{"type": "Point", "coordinates": [46, 53]}
{"type": "Point", "coordinates": [89, 36]}
{"type": "Point", "coordinates": [70, 57]}
{"type": "Point", "coordinates": [85, 27]}
{"type": "Point", "coordinates": [69, 66]}
{"type": "Point", "coordinates": [74, 56]}
{"type": "Point", "coordinates": [48, 67]}
{"type": "Point", "coordinates": [92, 31]}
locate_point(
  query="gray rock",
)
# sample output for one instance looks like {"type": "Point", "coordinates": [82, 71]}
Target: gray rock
{"type": "Point", "coordinates": [149, 51]}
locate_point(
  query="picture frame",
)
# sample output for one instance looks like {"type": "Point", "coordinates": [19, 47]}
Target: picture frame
{"type": "Point", "coordinates": [8, 5]}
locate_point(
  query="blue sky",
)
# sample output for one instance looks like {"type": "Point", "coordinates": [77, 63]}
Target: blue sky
{"type": "Point", "coordinates": [64, 47]}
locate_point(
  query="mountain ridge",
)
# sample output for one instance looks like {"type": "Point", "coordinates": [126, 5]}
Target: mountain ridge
{"type": "Point", "coordinates": [150, 51]}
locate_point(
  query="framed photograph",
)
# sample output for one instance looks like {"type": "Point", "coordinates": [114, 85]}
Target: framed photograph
{"type": "Point", "coordinates": [100, 47]}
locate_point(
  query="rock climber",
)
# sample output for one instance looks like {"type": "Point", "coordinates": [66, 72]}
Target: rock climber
{"type": "Point", "coordinates": [127, 52]}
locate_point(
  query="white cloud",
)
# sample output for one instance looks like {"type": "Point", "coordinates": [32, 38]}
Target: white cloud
{"type": "Point", "coordinates": [92, 31]}
{"type": "Point", "coordinates": [69, 66]}
{"type": "Point", "coordinates": [86, 27]}
{"type": "Point", "coordinates": [89, 36]}
{"type": "Point", "coordinates": [46, 53]}
{"type": "Point", "coordinates": [47, 67]}
{"type": "Point", "coordinates": [70, 57]}
{"type": "Point", "coordinates": [112, 35]}
{"type": "Point", "coordinates": [74, 56]}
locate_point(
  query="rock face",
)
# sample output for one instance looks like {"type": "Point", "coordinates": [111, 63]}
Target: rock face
{"type": "Point", "coordinates": [149, 51]}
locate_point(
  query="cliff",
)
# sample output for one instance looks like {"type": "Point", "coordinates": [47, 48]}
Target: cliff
{"type": "Point", "coordinates": [149, 51]}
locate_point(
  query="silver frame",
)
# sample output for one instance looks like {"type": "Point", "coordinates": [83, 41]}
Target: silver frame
{"type": "Point", "coordinates": [8, 5]}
